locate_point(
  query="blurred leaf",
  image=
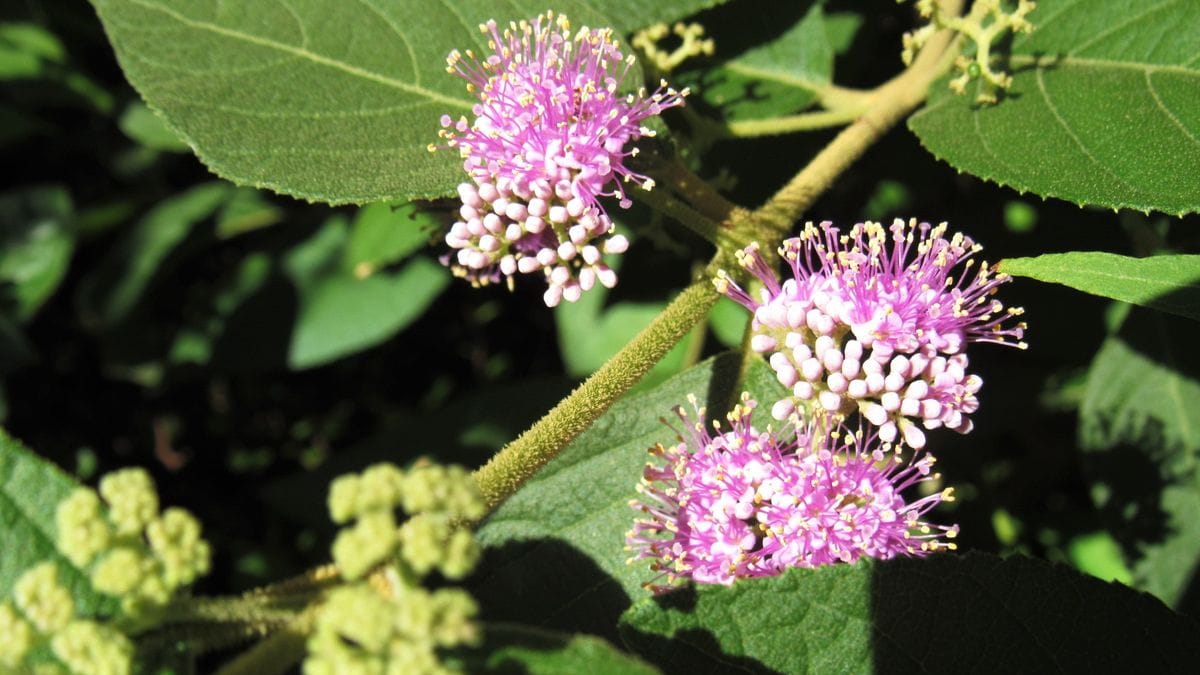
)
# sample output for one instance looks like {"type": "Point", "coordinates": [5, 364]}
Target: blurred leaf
{"type": "Point", "coordinates": [840, 28]}
{"type": "Point", "coordinates": [247, 210]}
{"type": "Point", "coordinates": [1020, 217]}
{"type": "Point", "coordinates": [30, 489]}
{"type": "Point", "coordinates": [521, 649]}
{"type": "Point", "coordinates": [382, 234]}
{"type": "Point", "coordinates": [194, 344]}
{"type": "Point", "coordinates": [890, 197]}
{"type": "Point", "coordinates": [728, 322]}
{"type": "Point", "coordinates": [322, 99]}
{"type": "Point", "coordinates": [589, 333]}
{"type": "Point", "coordinates": [109, 292]}
{"type": "Point", "coordinates": [1104, 109]}
{"type": "Point", "coordinates": [558, 543]}
{"type": "Point", "coordinates": [1098, 555]}
{"type": "Point", "coordinates": [37, 237]}
{"type": "Point", "coordinates": [1169, 283]}
{"type": "Point", "coordinates": [141, 124]}
{"type": "Point", "coordinates": [1140, 424]}
{"type": "Point", "coordinates": [340, 314]}
{"type": "Point", "coordinates": [946, 613]}
{"type": "Point", "coordinates": [774, 78]}
{"type": "Point", "coordinates": [25, 48]}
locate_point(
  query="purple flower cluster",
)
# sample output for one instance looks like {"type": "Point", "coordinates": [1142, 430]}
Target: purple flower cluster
{"type": "Point", "coordinates": [548, 140]}
{"type": "Point", "coordinates": [722, 506]}
{"type": "Point", "coordinates": [876, 321]}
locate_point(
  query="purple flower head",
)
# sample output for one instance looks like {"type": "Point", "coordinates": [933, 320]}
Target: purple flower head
{"type": "Point", "coordinates": [723, 506]}
{"type": "Point", "coordinates": [877, 321]}
{"type": "Point", "coordinates": [548, 140]}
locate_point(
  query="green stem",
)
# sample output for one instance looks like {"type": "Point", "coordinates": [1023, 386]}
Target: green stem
{"type": "Point", "coordinates": [892, 102]}
{"type": "Point", "coordinates": [777, 126]}
{"type": "Point", "coordinates": [685, 215]}
{"type": "Point", "coordinates": [278, 652]}
{"type": "Point", "coordinates": [522, 458]}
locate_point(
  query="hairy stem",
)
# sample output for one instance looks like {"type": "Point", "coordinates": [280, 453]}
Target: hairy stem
{"type": "Point", "coordinates": [696, 191]}
{"type": "Point", "coordinates": [278, 652]}
{"type": "Point", "coordinates": [891, 103]}
{"type": "Point", "coordinates": [521, 459]}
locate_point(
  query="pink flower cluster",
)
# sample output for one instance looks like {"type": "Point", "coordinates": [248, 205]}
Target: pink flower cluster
{"type": "Point", "coordinates": [875, 321]}
{"type": "Point", "coordinates": [722, 506]}
{"type": "Point", "coordinates": [547, 141]}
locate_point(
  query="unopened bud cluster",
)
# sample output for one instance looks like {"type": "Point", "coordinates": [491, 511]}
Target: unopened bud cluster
{"type": "Point", "coordinates": [691, 43]}
{"type": "Point", "coordinates": [435, 496]}
{"type": "Point", "coordinates": [876, 321]}
{"type": "Point", "coordinates": [391, 624]}
{"type": "Point", "coordinates": [42, 613]}
{"type": "Point", "coordinates": [987, 22]}
{"type": "Point", "coordinates": [128, 549]}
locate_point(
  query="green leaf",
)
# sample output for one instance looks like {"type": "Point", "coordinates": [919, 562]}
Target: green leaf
{"type": "Point", "coordinates": [114, 288]}
{"type": "Point", "coordinates": [143, 125]}
{"type": "Point", "coordinates": [247, 210]}
{"type": "Point", "coordinates": [1140, 424]}
{"type": "Point", "coordinates": [382, 234]}
{"type": "Point", "coordinates": [558, 543]}
{"type": "Point", "coordinates": [25, 48]}
{"type": "Point", "coordinates": [509, 648]}
{"type": "Point", "coordinates": [30, 490]}
{"type": "Point", "coordinates": [323, 99]}
{"type": "Point", "coordinates": [774, 78]}
{"type": "Point", "coordinates": [1104, 109]}
{"type": "Point", "coordinates": [341, 314]}
{"type": "Point", "coordinates": [951, 613]}
{"type": "Point", "coordinates": [728, 322]}
{"type": "Point", "coordinates": [1168, 283]}
{"type": "Point", "coordinates": [37, 237]}
{"type": "Point", "coordinates": [590, 333]}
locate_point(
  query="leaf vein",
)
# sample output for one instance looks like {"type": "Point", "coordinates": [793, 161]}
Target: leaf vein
{"type": "Point", "coordinates": [1072, 135]}
{"type": "Point", "coordinates": [302, 53]}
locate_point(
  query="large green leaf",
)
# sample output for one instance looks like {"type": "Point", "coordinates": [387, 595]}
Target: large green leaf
{"type": "Point", "coordinates": [37, 237]}
{"type": "Point", "coordinates": [945, 613]}
{"type": "Point", "coordinates": [323, 99]}
{"type": "Point", "coordinates": [773, 78]}
{"type": "Point", "coordinates": [1170, 283]}
{"type": "Point", "coordinates": [1104, 108]}
{"type": "Point", "coordinates": [30, 490]}
{"type": "Point", "coordinates": [1140, 424]}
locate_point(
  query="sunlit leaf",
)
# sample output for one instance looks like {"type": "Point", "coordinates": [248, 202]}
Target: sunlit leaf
{"type": "Point", "coordinates": [1104, 108]}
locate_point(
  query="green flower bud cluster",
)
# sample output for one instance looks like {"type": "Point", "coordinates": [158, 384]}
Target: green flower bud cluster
{"type": "Point", "coordinates": [43, 613]}
{"type": "Point", "coordinates": [985, 24]}
{"type": "Point", "coordinates": [691, 43]}
{"type": "Point", "coordinates": [437, 497]}
{"type": "Point", "coordinates": [131, 550]}
{"type": "Point", "coordinates": [392, 625]}
{"type": "Point", "coordinates": [361, 631]}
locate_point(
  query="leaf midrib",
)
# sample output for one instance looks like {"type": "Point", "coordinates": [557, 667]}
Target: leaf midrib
{"type": "Point", "coordinates": [776, 76]}
{"type": "Point", "coordinates": [302, 53]}
{"type": "Point", "coordinates": [1052, 61]}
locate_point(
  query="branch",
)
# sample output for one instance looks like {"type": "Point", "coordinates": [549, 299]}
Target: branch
{"type": "Point", "coordinates": [892, 102]}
